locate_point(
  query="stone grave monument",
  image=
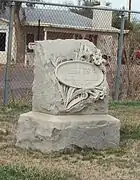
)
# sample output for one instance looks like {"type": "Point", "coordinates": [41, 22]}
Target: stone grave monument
{"type": "Point", "coordinates": [70, 100]}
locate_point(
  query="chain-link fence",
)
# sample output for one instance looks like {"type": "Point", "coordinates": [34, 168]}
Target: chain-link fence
{"type": "Point", "coordinates": [114, 32]}
{"type": "Point", "coordinates": [117, 34]}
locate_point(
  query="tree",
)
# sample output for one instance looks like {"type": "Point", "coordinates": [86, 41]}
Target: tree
{"type": "Point", "coordinates": [116, 21]}
{"type": "Point", "coordinates": [86, 11]}
{"type": "Point", "coordinates": [19, 26]}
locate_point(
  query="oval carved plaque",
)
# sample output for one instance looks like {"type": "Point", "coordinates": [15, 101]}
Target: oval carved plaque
{"type": "Point", "coordinates": [79, 74]}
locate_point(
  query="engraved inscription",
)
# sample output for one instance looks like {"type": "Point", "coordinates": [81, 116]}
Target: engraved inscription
{"type": "Point", "coordinates": [79, 74]}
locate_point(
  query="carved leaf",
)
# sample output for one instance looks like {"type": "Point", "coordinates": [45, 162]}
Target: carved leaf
{"type": "Point", "coordinates": [76, 101]}
{"type": "Point", "coordinates": [70, 94]}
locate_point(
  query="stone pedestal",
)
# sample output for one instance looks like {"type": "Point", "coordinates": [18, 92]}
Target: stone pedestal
{"type": "Point", "coordinates": [46, 133]}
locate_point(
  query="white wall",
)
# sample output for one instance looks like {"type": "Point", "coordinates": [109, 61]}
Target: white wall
{"type": "Point", "coordinates": [4, 29]}
{"type": "Point", "coordinates": [3, 54]}
{"type": "Point", "coordinates": [102, 19]}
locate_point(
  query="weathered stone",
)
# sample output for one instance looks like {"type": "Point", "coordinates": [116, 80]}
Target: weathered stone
{"type": "Point", "coordinates": [70, 100]}
{"type": "Point", "coordinates": [46, 133]}
{"type": "Point", "coordinates": [3, 131]}
{"type": "Point", "coordinates": [79, 74]}
{"type": "Point", "coordinates": [58, 88]}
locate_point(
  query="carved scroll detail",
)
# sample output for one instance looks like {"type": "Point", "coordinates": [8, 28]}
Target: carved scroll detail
{"type": "Point", "coordinates": [75, 99]}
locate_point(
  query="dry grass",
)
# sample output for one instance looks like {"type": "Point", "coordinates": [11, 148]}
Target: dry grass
{"type": "Point", "coordinates": [122, 163]}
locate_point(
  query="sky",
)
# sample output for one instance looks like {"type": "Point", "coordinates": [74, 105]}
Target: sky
{"type": "Point", "coordinates": [115, 3]}
{"type": "Point", "coordinates": [119, 3]}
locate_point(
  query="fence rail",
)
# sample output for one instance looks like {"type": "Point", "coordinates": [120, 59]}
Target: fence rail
{"type": "Point", "coordinates": [76, 6]}
{"type": "Point", "coordinates": [109, 29]}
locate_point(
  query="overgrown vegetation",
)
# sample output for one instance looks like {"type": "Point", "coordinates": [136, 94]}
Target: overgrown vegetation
{"type": "Point", "coordinates": [130, 70]}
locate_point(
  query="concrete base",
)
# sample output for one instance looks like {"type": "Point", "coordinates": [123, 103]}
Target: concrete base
{"type": "Point", "coordinates": [48, 133]}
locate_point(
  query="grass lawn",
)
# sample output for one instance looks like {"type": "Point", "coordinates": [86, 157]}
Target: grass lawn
{"type": "Point", "coordinates": [10, 172]}
{"type": "Point", "coordinates": [119, 164]}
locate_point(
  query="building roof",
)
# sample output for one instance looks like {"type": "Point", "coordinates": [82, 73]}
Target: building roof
{"type": "Point", "coordinates": [59, 18]}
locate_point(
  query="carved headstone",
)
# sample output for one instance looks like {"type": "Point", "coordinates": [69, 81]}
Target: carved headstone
{"type": "Point", "coordinates": [70, 99]}
{"type": "Point", "coordinates": [70, 78]}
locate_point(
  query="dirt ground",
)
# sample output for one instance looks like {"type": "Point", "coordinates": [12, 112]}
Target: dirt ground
{"type": "Point", "coordinates": [119, 164]}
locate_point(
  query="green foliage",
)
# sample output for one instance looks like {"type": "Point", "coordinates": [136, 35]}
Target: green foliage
{"type": "Point", "coordinates": [21, 173]}
{"type": "Point", "coordinates": [116, 21]}
{"type": "Point", "coordinates": [124, 103]}
{"type": "Point", "coordinates": [4, 3]}
{"type": "Point", "coordinates": [87, 12]}
{"type": "Point", "coordinates": [130, 131]}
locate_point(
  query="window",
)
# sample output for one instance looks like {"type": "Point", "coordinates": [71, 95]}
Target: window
{"type": "Point", "coordinates": [2, 41]}
{"type": "Point", "coordinates": [95, 40]}
{"type": "Point", "coordinates": [78, 36]}
{"type": "Point", "coordinates": [29, 38]}
{"type": "Point", "coordinates": [40, 37]}
{"type": "Point", "coordinates": [90, 38]}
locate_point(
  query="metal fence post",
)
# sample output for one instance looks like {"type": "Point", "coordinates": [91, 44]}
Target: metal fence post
{"type": "Point", "coordinates": [9, 51]}
{"type": "Point", "coordinates": [119, 57]}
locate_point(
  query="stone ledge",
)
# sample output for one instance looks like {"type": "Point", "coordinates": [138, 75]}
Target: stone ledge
{"type": "Point", "coordinates": [46, 133]}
